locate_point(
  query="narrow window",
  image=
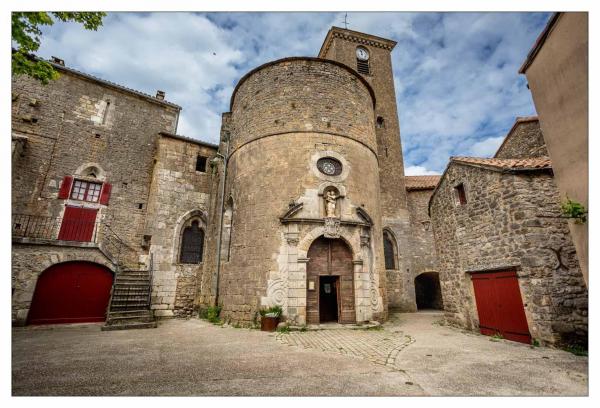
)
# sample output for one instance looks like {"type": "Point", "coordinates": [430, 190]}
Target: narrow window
{"type": "Point", "coordinates": [192, 244]}
{"type": "Point", "coordinates": [388, 252]}
{"type": "Point", "coordinates": [201, 164]}
{"type": "Point", "coordinates": [105, 114]}
{"type": "Point", "coordinates": [461, 195]}
{"type": "Point", "coordinates": [362, 66]}
{"type": "Point", "coordinates": [380, 123]}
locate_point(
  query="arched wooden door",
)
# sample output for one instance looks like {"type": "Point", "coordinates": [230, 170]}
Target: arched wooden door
{"type": "Point", "coordinates": [71, 292]}
{"type": "Point", "coordinates": [330, 282]}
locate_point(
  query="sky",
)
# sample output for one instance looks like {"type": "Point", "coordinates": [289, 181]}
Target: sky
{"type": "Point", "coordinates": [455, 74]}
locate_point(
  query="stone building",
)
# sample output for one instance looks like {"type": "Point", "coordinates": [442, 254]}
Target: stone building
{"type": "Point", "coordinates": [292, 208]}
{"type": "Point", "coordinates": [557, 74]}
{"type": "Point", "coordinates": [302, 204]}
{"type": "Point", "coordinates": [506, 258]}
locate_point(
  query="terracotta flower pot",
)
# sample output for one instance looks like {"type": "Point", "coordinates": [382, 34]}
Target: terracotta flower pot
{"type": "Point", "coordinates": [269, 323]}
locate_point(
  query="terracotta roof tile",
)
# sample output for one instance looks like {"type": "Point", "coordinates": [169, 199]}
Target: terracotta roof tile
{"type": "Point", "coordinates": [532, 163]}
{"type": "Point", "coordinates": [421, 182]}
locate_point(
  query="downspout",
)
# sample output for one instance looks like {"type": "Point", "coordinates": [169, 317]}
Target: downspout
{"type": "Point", "coordinates": [221, 209]}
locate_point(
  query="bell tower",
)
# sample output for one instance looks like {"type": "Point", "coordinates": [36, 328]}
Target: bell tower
{"type": "Point", "coordinates": [370, 56]}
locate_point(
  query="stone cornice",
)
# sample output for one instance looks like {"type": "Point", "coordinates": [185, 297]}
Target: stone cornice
{"type": "Point", "coordinates": [356, 37]}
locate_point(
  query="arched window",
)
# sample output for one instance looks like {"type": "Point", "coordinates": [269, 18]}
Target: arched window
{"type": "Point", "coordinates": [389, 250]}
{"type": "Point", "coordinates": [192, 244]}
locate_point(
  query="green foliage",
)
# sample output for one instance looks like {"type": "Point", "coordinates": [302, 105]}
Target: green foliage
{"type": "Point", "coordinates": [26, 34]}
{"type": "Point", "coordinates": [496, 337]}
{"type": "Point", "coordinates": [576, 349]}
{"type": "Point", "coordinates": [283, 329]}
{"type": "Point", "coordinates": [573, 209]}
{"type": "Point", "coordinates": [273, 311]}
{"type": "Point", "coordinates": [376, 328]}
{"type": "Point", "coordinates": [535, 342]}
{"type": "Point", "coordinates": [211, 314]}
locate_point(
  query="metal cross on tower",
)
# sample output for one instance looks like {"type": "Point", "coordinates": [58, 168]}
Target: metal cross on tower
{"type": "Point", "coordinates": [345, 22]}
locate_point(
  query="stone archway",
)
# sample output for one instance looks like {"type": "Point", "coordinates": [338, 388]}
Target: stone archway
{"type": "Point", "coordinates": [428, 292]}
{"type": "Point", "coordinates": [330, 282]}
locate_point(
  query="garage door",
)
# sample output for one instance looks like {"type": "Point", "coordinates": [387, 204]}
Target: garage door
{"type": "Point", "coordinates": [500, 306]}
{"type": "Point", "coordinates": [72, 292]}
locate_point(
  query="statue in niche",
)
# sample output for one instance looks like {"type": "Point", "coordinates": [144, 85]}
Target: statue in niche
{"type": "Point", "coordinates": [330, 203]}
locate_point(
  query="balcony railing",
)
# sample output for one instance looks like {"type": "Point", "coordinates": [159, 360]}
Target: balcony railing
{"type": "Point", "coordinates": [40, 227]}
{"type": "Point", "coordinates": [74, 230]}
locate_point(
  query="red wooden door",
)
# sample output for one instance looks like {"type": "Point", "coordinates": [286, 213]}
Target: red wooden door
{"type": "Point", "coordinates": [71, 292]}
{"type": "Point", "coordinates": [500, 306]}
{"type": "Point", "coordinates": [78, 224]}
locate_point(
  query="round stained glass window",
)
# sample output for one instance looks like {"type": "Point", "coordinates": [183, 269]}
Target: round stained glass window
{"type": "Point", "coordinates": [329, 166]}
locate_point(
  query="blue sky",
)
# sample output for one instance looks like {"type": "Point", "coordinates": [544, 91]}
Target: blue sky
{"type": "Point", "coordinates": [455, 74]}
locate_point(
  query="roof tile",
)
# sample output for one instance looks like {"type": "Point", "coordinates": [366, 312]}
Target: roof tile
{"type": "Point", "coordinates": [531, 163]}
{"type": "Point", "coordinates": [421, 182]}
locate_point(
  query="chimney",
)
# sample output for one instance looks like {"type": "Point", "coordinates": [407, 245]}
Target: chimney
{"type": "Point", "coordinates": [57, 60]}
{"type": "Point", "coordinates": [160, 95]}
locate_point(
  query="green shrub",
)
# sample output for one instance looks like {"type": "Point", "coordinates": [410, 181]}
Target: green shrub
{"type": "Point", "coordinates": [273, 311]}
{"type": "Point", "coordinates": [211, 314]}
{"type": "Point", "coordinates": [576, 349]}
{"type": "Point", "coordinates": [573, 209]}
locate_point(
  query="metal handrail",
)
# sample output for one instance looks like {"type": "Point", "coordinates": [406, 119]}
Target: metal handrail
{"type": "Point", "coordinates": [41, 227]}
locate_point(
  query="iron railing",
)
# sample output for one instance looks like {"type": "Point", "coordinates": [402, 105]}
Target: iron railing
{"type": "Point", "coordinates": [51, 228]}
{"type": "Point", "coordinates": [41, 227]}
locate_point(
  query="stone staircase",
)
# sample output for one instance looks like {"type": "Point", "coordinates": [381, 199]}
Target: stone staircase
{"type": "Point", "coordinates": [130, 301]}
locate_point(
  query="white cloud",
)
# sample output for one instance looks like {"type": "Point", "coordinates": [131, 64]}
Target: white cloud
{"type": "Point", "coordinates": [455, 74]}
{"type": "Point", "coordinates": [486, 147]}
{"type": "Point", "coordinates": [419, 171]}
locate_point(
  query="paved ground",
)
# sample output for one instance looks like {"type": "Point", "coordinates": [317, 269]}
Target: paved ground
{"type": "Point", "coordinates": [410, 356]}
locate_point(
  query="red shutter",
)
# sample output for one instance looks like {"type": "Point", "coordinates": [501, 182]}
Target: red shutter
{"type": "Point", "coordinates": [65, 187]}
{"type": "Point", "coordinates": [105, 194]}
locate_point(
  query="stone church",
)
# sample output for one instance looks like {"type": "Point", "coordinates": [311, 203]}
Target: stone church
{"type": "Point", "coordinates": [303, 203]}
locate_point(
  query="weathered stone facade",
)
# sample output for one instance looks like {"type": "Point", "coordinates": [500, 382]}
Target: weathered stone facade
{"type": "Point", "coordinates": [88, 129]}
{"type": "Point", "coordinates": [179, 194]}
{"type": "Point", "coordinates": [524, 140]}
{"type": "Point", "coordinates": [420, 255]}
{"type": "Point", "coordinates": [277, 136]}
{"type": "Point", "coordinates": [511, 220]}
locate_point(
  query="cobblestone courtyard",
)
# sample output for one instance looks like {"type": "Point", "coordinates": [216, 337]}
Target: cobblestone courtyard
{"type": "Point", "coordinates": [411, 355]}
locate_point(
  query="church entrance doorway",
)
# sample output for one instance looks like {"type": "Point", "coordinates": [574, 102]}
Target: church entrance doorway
{"type": "Point", "coordinates": [428, 292]}
{"type": "Point", "coordinates": [328, 298]}
{"type": "Point", "coordinates": [330, 282]}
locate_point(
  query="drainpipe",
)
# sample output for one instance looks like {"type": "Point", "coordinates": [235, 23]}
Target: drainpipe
{"type": "Point", "coordinates": [221, 209]}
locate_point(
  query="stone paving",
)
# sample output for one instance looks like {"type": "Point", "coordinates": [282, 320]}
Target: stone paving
{"type": "Point", "coordinates": [378, 346]}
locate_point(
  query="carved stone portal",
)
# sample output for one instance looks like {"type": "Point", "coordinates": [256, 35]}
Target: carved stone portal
{"type": "Point", "coordinates": [332, 227]}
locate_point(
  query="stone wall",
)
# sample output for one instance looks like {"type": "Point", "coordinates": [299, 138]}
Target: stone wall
{"type": "Point", "coordinates": [524, 140]}
{"type": "Point", "coordinates": [70, 125]}
{"type": "Point", "coordinates": [510, 221]}
{"type": "Point", "coordinates": [179, 194]}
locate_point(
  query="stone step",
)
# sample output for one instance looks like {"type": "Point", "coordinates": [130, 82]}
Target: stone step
{"type": "Point", "coordinates": [120, 305]}
{"type": "Point", "coordinates": [131, 325]}
{"type": "Point", "coordinates": [132, 318]}
{"type": "Point", "coordinates": [130, 293]}
{"type": "Point", "coordinates": [133, 312]}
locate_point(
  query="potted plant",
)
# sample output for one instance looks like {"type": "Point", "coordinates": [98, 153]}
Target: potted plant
{"type": "Point", "coordinates": [269, 318]}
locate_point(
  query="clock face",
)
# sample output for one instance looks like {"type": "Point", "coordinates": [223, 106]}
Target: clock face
{"type": "Point", "coordinates": [362, 54]}
{"type": "Point", "coordinates": [329, 166]}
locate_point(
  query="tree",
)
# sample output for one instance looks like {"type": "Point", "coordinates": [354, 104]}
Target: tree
{"type": "Point", "coordinates": [26, 34]}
